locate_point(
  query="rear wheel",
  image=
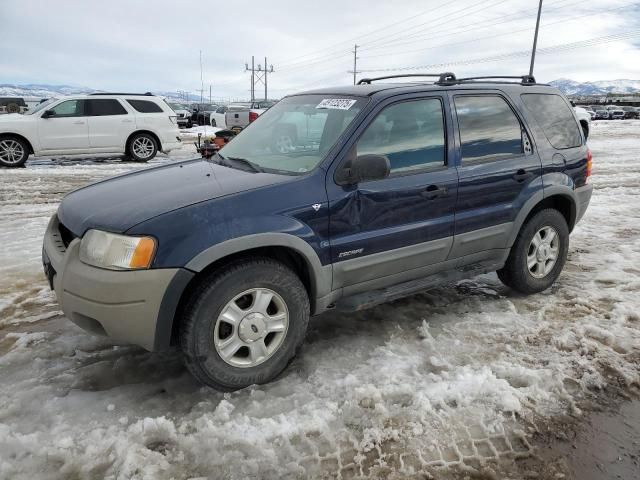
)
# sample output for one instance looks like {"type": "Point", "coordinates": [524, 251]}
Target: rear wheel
{"type": "Point", "coordinates": [538, 254]}
{"type": "Point", "coordinates": [142, 147]}
{"type": "Point", "coordinates": [13, 151]}
{"type": "Point", "coordinates": [244, 324]}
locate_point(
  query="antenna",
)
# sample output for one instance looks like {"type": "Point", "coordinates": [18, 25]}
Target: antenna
{"type": "Point", "coordinates": [535, 40]}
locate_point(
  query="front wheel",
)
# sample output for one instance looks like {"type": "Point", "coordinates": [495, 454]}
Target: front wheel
{"type": "Point", "coordinates": [244, 324]}
{"type": "Point", "coordinates": [538, 254]}
{"type": "Point", "coordinates": [13, 152]}
{"type": "Point", "coordinates": [142, 147]}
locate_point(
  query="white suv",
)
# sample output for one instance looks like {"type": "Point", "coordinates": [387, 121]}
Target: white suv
{"type": "Point", "coordinates": [132, 124]}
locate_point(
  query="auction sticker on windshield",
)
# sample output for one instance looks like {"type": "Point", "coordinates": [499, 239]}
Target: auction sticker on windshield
{"type": "Point", "coordinates": [336, 103]}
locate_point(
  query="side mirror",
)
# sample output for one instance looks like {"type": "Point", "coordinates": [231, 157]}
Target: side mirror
{"type": "Point", "coordinates": [364, 168]}
{"type": "Point", "coordinates": [48, 114]}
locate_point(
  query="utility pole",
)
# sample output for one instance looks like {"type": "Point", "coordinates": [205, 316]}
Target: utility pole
{"type": "Point", "coordinates": [209, 93]}
{"type": "Point", "coordinates": [258, 75]}
{"type": "Point", "coordinates": [355, 63]}
{"type": "Point", "coordinates": [201, 80]}
{"type": "Point", "coordinates": [535, 40]}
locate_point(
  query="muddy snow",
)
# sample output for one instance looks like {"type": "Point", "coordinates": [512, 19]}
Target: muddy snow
{"type": "Point", "coordinates": [458, 381]}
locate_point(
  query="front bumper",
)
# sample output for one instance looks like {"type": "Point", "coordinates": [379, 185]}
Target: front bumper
{"type": "Point", "coordinates": [128, 306]}
{"type": "Point", "coordinates": [583, 197]}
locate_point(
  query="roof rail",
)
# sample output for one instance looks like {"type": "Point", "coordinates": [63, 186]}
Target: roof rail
{"type": "Point", "coordinates": [443, 78]}
{"type": "Point", "coordinates": [146, 94]}
{"type": "Point", "coordinates": [524, 79]}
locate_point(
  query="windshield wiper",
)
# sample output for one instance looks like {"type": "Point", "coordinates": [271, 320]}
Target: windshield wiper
{"type": "Point", "coordinates": [225, 161]}
{"type": "Point", "coordinates": [253, 166]}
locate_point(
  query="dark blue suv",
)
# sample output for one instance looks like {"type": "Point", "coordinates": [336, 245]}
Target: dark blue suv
{"type": "Point", "coordinates": [336, 198]}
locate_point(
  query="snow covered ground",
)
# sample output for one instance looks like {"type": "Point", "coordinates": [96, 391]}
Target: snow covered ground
{"type": "Point", "coordinates": [450, 382]}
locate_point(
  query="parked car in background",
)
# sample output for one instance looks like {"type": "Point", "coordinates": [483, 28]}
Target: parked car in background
{"type": "Point", "coordinates": [132, 124]}
{"type": "Point", "coordinates": [240, 115]}
{"type": "Point", "coordinates": [630, 113]}
{"type": "Point", "coordinates": [363, 208]}
{"type": "Point", "coordinates": [584, 118]}
{"type": "Point", "coordinates": [183, 113]}
{"type": "Point", "coordinates": [602, 114]}
{"type": "Point", "coordinates": [13, 105]}
{"type": "Point", "coordinates": [218, 118]}
{"type": "Point", "coordinates": [202, 113]}
{"type": "Point", "coordinates": [617, 114]}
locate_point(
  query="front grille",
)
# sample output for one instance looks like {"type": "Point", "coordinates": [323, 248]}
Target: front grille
{"type": "Point", "coordinates": [66, 235]}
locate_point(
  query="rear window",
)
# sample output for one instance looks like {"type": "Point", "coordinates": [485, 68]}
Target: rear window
{"type": "Point", "coordinates": [555, 117]}
{"type": "Point", "coordinates": [144, 106]}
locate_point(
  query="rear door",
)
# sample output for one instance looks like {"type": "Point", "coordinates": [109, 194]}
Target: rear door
{"type": "Point", "coordinates": [109, 123]}
{"type": "Point", "coordinates": [66, 130]}
{"type": "Point", "coordinates": [387, 231]}
{"type": "Point", "coordinates": [498, 171]}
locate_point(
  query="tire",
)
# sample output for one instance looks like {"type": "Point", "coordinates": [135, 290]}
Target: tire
{"type": "Point", "coordinates": [142, 147]}
{"type": "Point", "coordinates": [220, 310]}
{"type": "Point", "coordinates": [13, 108]}
{"type": "Point", "coordinates": [13, 151]}
{"type": "Point", "coordinates": [518, 272]}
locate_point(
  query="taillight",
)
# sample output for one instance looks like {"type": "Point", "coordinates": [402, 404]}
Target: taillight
{"type": "Point", "coordinates": [173, 118]}
{"type": "Point", "coordinates": [589, 163]}
{"type": "Point", "coordinates": [252, 116]}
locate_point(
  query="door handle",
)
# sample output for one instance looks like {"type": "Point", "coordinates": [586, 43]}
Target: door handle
{"type": "Point", "coordinates": [434, 191]}
{"type": "Point", "coordinates": [127, 121]}
{"type": "Point", "coordinates": [521, 175]}
{"type": "Point", "coordinates": [79, 122]}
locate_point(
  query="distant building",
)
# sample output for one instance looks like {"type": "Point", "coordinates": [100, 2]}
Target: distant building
{"type": "Point", "coordinates": [622, 99]}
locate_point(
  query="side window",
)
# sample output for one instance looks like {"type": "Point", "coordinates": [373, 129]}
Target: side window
{"type": "Point", "coordinates": [221, 110]}
{"type": "Point", "coordinates": [410, 134]}
{"type": "Point", "coordinates": [555, 117]}
{"type": "Point", "coordinates": [489, 130]}
{"type": "Point", "coordinates": [104, 107]}
{"type": "Point", "coordinates": [70, 108]}
{"type": "Point", "coordinates": [144, 106]}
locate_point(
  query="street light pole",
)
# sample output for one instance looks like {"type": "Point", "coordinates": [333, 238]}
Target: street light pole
{"type": "Point", "coordinates": [535, 40]}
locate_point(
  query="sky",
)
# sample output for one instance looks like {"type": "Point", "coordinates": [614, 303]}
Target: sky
{"type": "Point", "coordinates": [131, 45]}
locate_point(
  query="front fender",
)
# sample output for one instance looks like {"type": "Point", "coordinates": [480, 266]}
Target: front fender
{"type": "Point", "coordinates": [320, 274]}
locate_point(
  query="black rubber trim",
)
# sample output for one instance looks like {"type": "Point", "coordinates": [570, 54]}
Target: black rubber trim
{"type": "Point", "coordinates": [168, 306]}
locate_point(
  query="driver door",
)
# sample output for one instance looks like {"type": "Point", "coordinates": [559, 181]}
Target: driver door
{"type": "Point", "coordinates": [66, 130]}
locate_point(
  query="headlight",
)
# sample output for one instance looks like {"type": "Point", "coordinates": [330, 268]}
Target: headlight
{"type": "Point", "coordinates": [116, 252]}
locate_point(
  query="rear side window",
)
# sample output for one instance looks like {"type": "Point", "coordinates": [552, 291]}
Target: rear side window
{"type": "Point", "coordinates": [409, 134]}
{"type": "Point", "coordinates": [144, 106]}
{"type": "Point", "coordinates": [489, 130]}
{"type": "Point", "coordinates": [555, 117]}
{"type": "Point", "coordinates": [104, 107]}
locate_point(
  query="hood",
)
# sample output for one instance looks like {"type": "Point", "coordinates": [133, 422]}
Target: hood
{"type": "Point", "coordinates": [119, 203]}
{"type": "Point", "coordinates": [12, 117]}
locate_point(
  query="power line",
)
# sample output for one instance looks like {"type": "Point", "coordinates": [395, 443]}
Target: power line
{"type": "Point", "coordinates": [484, 24]}
{"type": "Point", "coordinates": [476, 39]}
{"type": "Point", "coordinates": [358, 37]}
{"type": "Point", "coordinates": [547, 50]}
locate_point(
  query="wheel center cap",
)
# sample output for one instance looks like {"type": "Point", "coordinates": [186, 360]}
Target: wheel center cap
{"type": "Point", "coordinates": [543, 252]}
{"type": "Point", "coordinates": [252, 327]}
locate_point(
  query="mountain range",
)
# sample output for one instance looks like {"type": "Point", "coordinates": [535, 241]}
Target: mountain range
{"type": "Point", "coordinates": [568, 87]}
{"type": "Point", "coordinates": [601, 87]}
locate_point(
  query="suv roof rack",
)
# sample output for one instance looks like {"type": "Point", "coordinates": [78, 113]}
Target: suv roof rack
{"type": "Point", "coordinates": [524, 79]}
{"type": "Point", "coordinates": [448, 78]}
{"type": "Point", "coordinates": [145, 94]}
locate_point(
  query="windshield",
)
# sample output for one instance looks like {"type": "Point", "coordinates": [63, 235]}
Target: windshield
{"type": "Point", "coordinates": [293, 136]}
{"type": "Point", "coordinates": [41, 106]}
{"type": "Point", "coordinates": [177, 106]}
